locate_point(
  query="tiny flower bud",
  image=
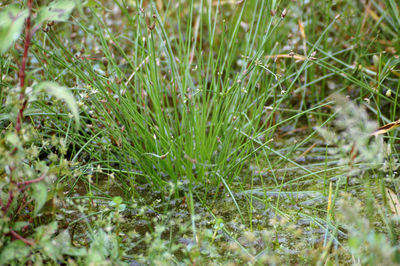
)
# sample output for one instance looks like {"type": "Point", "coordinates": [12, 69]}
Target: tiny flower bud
{"type": "Point", "coordinates": [104, 61]}
{"type": "Point", "coordinates": [284, 12]}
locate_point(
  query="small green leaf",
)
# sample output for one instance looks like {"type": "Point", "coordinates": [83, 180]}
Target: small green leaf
{"type": "Point", "coordinates": [117, 200]}
{"type": "Point", "coordinates": [52, 249]}
{"type": "Point", "coordinates": [50, 246]}
{"type": "Point", "coordinates": [15, 250]}
{"type": "Point", "coordinates": [39, 196]}
{"type": "Point", "coordinates": [99, 248]}
{"type": "Point", "coordinates": [64, 239]}
{"type": "Point", "coordinates": [17, 226]}
{"type": "Point", "coordinates": [76, 252]}
{"type": "Point", "coordinates": [45, 232]}
{"type": "Point", "coordinates": [13, 140]}
{"type": "Point", "coordinates": [121, 207]}
{"type": "Point", "coordinates": [354, 243]}
{"type": "Point", "coordinates": [56, 11]}
{"type": "Point", "coordinates": [62, 93]}
{"type": "Point", "coordinates": [11, 23]}
{"type": "Point", "coordinates": [92, 3]}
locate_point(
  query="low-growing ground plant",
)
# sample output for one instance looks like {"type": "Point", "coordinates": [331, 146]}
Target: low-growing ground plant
{"type": "Point", "coordinates": [31, 161]}
{"type": "Point", "coordinates": [199, 132]}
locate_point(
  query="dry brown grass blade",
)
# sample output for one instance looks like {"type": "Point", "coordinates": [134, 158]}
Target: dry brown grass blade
{"type": "Point", "coordinates": [393, 201]}
{"type": "Point", "coordinates": [303, 36]}
{"type": "Point", "coordinates": [228, 2]}
{"type": "Point", "coordinates": [386, 128]}
{"type": "Point", "coordinates": [307, 151]}
{"type": "Point", "coordinates": [297, 57]}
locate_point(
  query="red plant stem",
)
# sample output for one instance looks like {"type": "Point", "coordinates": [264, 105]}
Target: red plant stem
{"type": "Point", "coordinates": [17, 236]}
{"type": "Point", "coordinates": [36, 180]}
{"type": "Point", "coordinates": [22, 73]}
{"type": "Point", "coordinates": [20, 113]}
{"type": "Point", "coordinates": [26, 48]}
{"type": "Point", "coordinates": [27, 226]}
{"type": "Point", "coordinates": [14, 151]}
{"type": "Point", "coordinates": [21, 206]}
{"type": "Point", "coordinates": [10, 199]}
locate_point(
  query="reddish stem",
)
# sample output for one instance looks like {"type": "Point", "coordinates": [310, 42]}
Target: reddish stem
{"type": "Point", "coordinates": [10, 199]}
{"type": "Point", "coordinates": [26, 48]}
{"type": "Point", "coordinates": [20, 113]}
{"type": "Point", "coordinates": [36, 180]}
{"type": "Point", "coordinates": [22, 73]}
{"type": "Point", "coordinates": [26, 226]}
{"type": "Point", "coordinates": [21, 206]}
{"type": "Point", "coordinates": [17, 236]}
